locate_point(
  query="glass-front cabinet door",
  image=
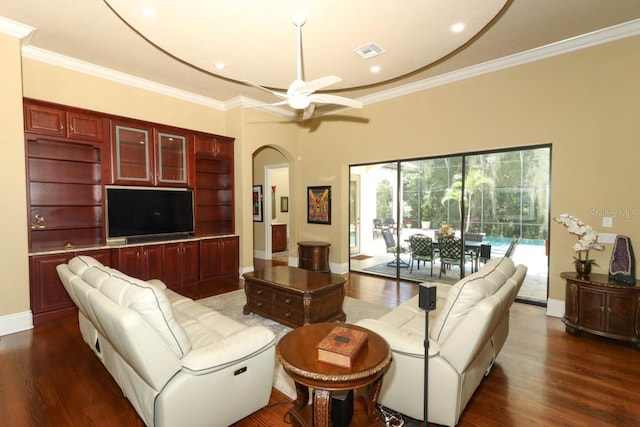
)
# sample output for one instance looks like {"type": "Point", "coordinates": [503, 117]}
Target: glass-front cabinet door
{"type": "Point", "coordinates": [132, 155]}
{"type": "Point", "coordinates": [172, 159]}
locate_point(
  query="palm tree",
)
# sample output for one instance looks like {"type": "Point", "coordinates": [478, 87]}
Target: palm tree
{"type": "Point", "coordinates": [472, 184]}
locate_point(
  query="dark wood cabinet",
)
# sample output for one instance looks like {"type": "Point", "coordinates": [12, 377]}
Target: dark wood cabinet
{"type": "Point", "coordinates": [601, 306]}
{"type": "Point", "coordinates": [142, 262]}
{"type": "Point", "coordinates": [66, 123]}
{"type": "Point", "coordinates": [215, 147]}
{"type": "Point", "coordinates": [219, 263]}
{"type": "Point", "coordinates": [131, 154]}
{"type": "Point", "coordinates": [278, 237]}
{"type": "Point", "coordinates": [72, 153]}
{"type": "Point", "coordinates": [49, 298]}
{"type": "Point", "coordinates": [147, 155]}
{"type": "Point", "coordinates": [181, 268]}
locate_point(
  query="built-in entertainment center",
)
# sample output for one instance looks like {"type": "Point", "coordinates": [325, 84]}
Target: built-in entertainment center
{"type": "Point", "coordinates": [151, 200]}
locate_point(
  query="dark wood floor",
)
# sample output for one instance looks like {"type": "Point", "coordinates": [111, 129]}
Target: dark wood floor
{"type": "Point", "coordinates": [543, 376]}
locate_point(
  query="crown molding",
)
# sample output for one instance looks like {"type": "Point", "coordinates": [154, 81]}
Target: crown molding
{"type": "Point", "coordinates": [606, 35]}
{"type": "Point", "coordinates": [67, 62]}
{"type": "Point", "coordinates": [584, 41]}
{"type": "Point", "coordinates": [17, 30]}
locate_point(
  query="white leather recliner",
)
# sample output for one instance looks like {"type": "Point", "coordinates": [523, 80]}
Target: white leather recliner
{"type": "Point", "coordinates": [466, 332]}
{"type": "Point", "coordinates": [178, 362]}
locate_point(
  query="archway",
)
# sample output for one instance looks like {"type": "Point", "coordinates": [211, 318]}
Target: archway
{"type": "Point", "coordinates": [272, 173]}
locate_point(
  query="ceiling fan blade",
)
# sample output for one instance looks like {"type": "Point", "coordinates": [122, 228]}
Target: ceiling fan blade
{"type": "Point", "coordinates": [317, 84]}
{"type": "Point", "coordinates": [334, 99]}
{"type": "Point", "coordinates": [280, 95]}
{"type": "Point", "coordinates": [308, 112]}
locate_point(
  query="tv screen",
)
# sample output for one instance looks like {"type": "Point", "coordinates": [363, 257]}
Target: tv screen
{"type": "Point", "coordinates": [138, 212]}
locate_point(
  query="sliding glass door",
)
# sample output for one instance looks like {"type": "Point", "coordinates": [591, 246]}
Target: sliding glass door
{"type": "Point", "coordinates": [489, 201]}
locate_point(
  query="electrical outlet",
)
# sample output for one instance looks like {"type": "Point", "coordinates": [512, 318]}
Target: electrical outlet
{"type": "Point", "coordinates": [606, 237]}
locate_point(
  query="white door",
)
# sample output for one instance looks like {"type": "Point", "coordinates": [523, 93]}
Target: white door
{"type": "Point", "coordinates": [354, 214]}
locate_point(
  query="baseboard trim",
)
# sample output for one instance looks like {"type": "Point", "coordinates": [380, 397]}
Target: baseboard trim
{"type": "Point", "coordinates": [555, 308]}
{"type": "Point", "coordinates": [16, 322]}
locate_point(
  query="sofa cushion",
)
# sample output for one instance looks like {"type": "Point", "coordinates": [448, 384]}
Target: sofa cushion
{"type": "Point", "coordinates": [467, 292]}
{"type": "Point", "coordinates": [147, 299]}
{"type": "Point", "coordinates": [80, 263]}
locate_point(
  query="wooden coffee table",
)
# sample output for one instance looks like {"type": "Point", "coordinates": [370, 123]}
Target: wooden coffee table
{"type": "Point", "coordinates": [294, 296]}
{"type": "Point", "coordinates": [299, 357]}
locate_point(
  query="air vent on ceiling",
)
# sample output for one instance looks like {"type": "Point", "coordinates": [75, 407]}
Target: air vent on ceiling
{"type": "Point", "coordinates": [369, 50]}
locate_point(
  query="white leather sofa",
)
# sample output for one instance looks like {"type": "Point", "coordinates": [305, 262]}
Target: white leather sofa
{"type": "Point", "coordinates": [178, 362]}
{"type": "Point", "coordinates": [466, 332]}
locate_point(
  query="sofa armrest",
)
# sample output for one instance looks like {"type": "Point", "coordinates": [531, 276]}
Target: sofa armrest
{"type": "Point", "coordinates": [228, 350]}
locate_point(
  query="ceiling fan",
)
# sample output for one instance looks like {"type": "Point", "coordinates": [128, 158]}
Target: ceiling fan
{"type": "Point", "coordinates": [301, 95]}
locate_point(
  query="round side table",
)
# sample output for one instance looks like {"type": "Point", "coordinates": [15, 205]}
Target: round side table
{"type": "Point", "coordinates": [299, 357]}
{"type": "Point", "coordinates": [314, 256]}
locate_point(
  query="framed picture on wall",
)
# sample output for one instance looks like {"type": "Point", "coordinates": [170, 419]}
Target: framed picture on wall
{"type": "Point", "coordinates": [319, 206]}
{"type": "Point", "coordinates": [284, 204]}
{"type": "Point", "coordinates": [257, 203]}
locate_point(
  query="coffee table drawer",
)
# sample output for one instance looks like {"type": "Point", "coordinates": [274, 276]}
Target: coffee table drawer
{"type": "Point", "coordinates": [290, 313]}
{"type": "Point", "coordinates": [262, 292]}
{"type": "Point", "coordinates": [289, 299]}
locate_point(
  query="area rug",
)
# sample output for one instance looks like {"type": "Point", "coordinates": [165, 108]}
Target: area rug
{"type": "Point", "coordinates": [361, 257]}
{"type": "Point", "coordinates": [231, 303]}
{"type": "Point", "coordinates": [422, 275]}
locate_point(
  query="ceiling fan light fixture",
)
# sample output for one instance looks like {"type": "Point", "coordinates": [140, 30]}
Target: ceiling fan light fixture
{"type": "Point", "coordinates": [299, 102]}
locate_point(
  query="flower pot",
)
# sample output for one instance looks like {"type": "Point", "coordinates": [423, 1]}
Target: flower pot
{"type": "Point", "coordinates": [583, 268]}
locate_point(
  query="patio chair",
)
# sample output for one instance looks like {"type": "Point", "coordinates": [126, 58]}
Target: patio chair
{"type": "Point", "coordinates": [377, 227]}
{"type": "Point", "coordinates": [390, 224]}
{"type": "Point", "coordinates": [392, 248]}
{"type": "Point", "coordinates": [451, 253]}
{"type": "Point", "coordinates": [421, 248]}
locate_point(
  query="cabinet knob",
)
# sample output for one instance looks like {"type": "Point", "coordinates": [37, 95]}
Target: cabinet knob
{"type": "Point", "coordinates": [259, 304]}
{"type": "Point", "coordinates": [288, 314]}
{"type": "Point", "coordinates": [259, 292]}
{"type": "Point", "coordinates": [288, 300]}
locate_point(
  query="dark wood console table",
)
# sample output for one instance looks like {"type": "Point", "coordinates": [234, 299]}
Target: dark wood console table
{"type": "Point", "coordinates": [598, 305]}
{"type": "Point", "coordinates": [314, 256]}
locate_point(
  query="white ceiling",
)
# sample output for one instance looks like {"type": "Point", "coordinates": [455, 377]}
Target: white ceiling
{"type": "Point", "coordinates": [258, 43]}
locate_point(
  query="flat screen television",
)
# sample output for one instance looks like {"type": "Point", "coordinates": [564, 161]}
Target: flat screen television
{"type": "Point", "coordinates": [145, 214]}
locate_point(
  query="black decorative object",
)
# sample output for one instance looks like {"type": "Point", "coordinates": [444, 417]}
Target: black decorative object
{"type": "Point", "coordinates": [622, 267]}
{"type": "Point", "coordinates": [426, 301]}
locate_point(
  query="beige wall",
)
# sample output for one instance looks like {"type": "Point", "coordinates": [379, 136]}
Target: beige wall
{"type": "Point", "coordinates": [584, 103]}
{"type": "Point", "coordinates": [14, 286]}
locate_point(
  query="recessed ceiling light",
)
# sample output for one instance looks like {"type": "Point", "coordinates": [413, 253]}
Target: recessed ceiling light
{"type": "Point", "coordinates": [456, 28]}
{"type": "Point", "coordinates": [148, 12]}
{"type": "Point", "coordinates": [219, 65]}
{"type": "Point", "coordinates": [375, 69]}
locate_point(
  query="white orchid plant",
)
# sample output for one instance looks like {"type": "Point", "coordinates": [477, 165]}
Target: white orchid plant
{"type": "Point", "coordinates": [587, 237]}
